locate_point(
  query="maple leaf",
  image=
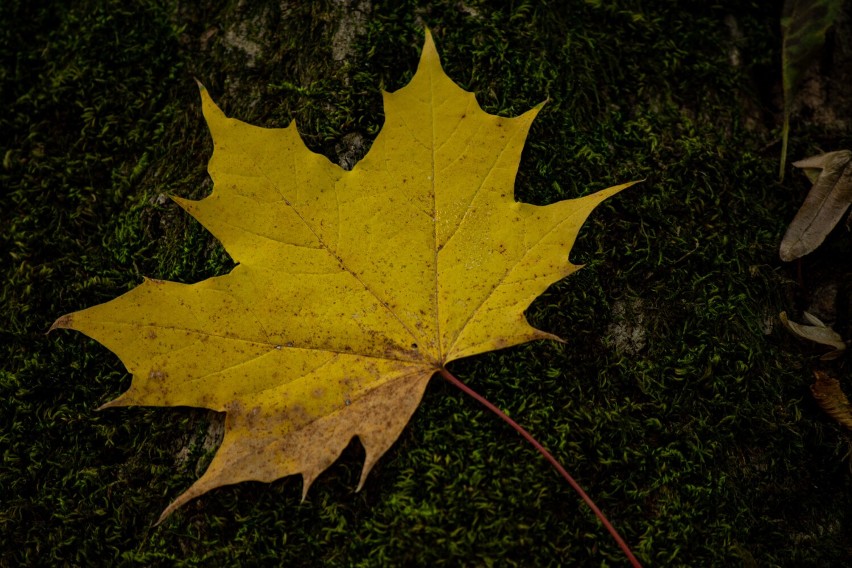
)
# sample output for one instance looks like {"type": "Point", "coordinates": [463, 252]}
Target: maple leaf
{"type": "Point", "coordinates": [352, 288]}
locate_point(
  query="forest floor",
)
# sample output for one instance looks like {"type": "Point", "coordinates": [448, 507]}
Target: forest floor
{"type": "Point", "coordinates": [679, 402]}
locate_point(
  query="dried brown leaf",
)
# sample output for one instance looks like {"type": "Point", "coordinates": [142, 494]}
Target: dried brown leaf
{"type": "Point", "coordinates": [831, 398]}
{"type": "Point", "coordinates": [819, 333]}
{"type": "Point", "coordinates": [824, 206]}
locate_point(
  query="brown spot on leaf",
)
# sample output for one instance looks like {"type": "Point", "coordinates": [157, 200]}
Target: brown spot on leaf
{"type": "Point", "coordinates": [251, 416]}
{"type": "Point", "coordinates": [157, 375]}
{"type": "Point", "coordinates": [298, 414]}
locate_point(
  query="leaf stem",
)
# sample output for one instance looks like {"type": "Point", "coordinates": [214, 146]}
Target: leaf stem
{"type": "Point", "coordinates": [785, 135]}
{"type": "Point", "coordinates": [528, 437]}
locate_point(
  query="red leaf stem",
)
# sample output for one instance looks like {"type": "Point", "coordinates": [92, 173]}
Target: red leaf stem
{"type": "Point", "coordinates": [528, 437]}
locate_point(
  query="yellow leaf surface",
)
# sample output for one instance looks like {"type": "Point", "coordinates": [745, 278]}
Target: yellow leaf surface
{"type": "Point", "coordinates": [352, 287]}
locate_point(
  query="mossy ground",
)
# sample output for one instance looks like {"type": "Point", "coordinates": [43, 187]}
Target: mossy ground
{"type": "Point", "coordinates": [675, 403]}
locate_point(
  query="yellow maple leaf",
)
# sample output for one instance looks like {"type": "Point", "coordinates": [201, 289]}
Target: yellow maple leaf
{"type": "Point", "coordinates": [352, 287]}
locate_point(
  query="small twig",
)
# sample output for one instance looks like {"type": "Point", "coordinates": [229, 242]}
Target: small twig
{"type": "Point", "coordinates": [528, 437]}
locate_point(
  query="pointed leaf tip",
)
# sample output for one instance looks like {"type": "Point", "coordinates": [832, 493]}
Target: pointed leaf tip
{"type": "Point", "coordinates": [307, 481]}
{"type": "Point", "coordinates": [429, 49]}
{"type": "Point", "coordinates": [820, 161]}
{"type": "Point", "coordinates": [213, 115]}
{"type": "Point", "coordinates": [64, 322]}
{"type": "Point", "coordinates": [167, 512]}
{"type": "Point", "coordinates": [361, 483]}
{"type": "Point", "coordinates": [110, 404]}
{"type": "Point", "coordinates": [613, 190]}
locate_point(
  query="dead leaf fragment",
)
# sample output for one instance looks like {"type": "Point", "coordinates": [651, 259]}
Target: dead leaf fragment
{"type": "Point", "coordinates": [818, 333]}
{"type": "Point", "coordinates": [831, 398]}
{"type": "Point", "coordinates": [803, 27]}
{"type": "Point", "coordinates": [825, 205]}
{"type": "Point", "coordinates": [352, 288]}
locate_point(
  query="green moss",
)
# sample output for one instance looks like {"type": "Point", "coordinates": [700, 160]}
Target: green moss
{"type": "Point", "coordinates": [697, 437]}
